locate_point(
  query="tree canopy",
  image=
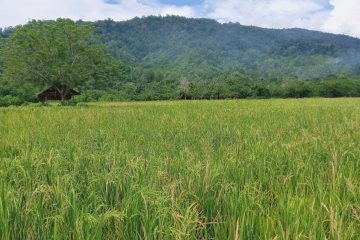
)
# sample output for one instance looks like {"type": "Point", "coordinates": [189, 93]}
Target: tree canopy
{"type": "Point", "coordinates": [194, 45]}
{"type": "Point", "coordinates": [55, 53]}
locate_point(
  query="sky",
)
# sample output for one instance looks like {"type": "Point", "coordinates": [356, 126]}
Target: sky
{"type": "Point", "coordinates": [335, 16]}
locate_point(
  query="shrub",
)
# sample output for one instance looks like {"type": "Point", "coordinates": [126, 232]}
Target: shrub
{"type": "Point", "coordinates": [80, 98]}
{"type": "Point", "coordinates": [10, 100]}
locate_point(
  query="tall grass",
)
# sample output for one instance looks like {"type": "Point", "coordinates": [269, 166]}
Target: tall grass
{"type": "Point", "coordinates": [251, 169]}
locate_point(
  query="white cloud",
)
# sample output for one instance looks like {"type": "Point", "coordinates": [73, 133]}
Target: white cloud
{"type": "Point", "coordinates": [344, 18]}
{"type": "Point", "coordinates": [19, 12]}
{"type": "Point", "coordinates": [269, 13]}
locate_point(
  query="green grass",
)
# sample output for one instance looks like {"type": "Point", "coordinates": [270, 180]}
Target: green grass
{"type": "Point", "coordinates": [250, 169]}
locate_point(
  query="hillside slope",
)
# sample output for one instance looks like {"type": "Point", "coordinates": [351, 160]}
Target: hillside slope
{"type": "Point", "coordinates": [198, 43]}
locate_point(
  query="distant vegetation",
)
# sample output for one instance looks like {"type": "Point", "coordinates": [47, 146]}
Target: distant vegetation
{"type": "Point", "coordinates": [194, 46]}
{"type": "Point", "coordinates": [157, 58]}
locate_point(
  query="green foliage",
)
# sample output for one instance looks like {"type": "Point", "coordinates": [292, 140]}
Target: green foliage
{"type": "Point", "coordinates": [225, 60]}
{"type": "Point", "coordinates": [80, 98]}
{"type": "Point", "coordinates": [55, 53]}
{"type": "Point", "coordinates": [300, 89]}
{"type": "Point", "coordinates": [197, 44]}
{"type": "Point", "coordinates": [225, 85]}
{"type": "Point", "coordinates": [264, 169]}
{"type": "Point", "coordinates": [10, 101]}
{"type": "Point", "coordinates": [340, 88]}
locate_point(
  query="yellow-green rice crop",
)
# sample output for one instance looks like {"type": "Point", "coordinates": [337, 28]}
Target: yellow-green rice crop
{"type": "Point", "coordinates": [250, 169]}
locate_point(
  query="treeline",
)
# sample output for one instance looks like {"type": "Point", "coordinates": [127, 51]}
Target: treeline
{"type": "Point", "coordinates": [143, 84]}
{"type": "Point", "coordinates": [213, 89]}
{"type": "Point", "coordinates": [185, 89]}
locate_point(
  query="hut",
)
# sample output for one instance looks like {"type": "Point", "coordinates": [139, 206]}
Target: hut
{"type": "Point", "coordinates": [57, 93]}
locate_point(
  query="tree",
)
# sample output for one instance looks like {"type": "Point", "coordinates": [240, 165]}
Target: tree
{"type": "Point", "coordinates": [184, 86]}
{"type": "Point", "coordinates": [261, 90]}
{"type": "Point", "coordinates": [60, 53]}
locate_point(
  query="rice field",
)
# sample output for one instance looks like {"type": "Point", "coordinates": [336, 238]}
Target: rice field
{"type": "Point", "coordinates": [245, 169]}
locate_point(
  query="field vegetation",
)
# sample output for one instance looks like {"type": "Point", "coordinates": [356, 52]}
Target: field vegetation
{"type": "Point", "coordinates": [244, 169]}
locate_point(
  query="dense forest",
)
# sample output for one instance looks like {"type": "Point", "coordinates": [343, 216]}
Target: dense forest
{"type": "Point", "coordinates": [179, 58]}
{"type": "Point", "coordinates": [195, 44]}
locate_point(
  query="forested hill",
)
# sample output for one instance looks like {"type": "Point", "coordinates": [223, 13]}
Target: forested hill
{"type": "Point", "coordinates": [196, 44]}
{"type": "Point", "coordinates": [175, 57]}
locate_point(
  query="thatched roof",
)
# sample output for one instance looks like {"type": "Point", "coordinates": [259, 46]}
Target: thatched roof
{"type": "Point", "coordinates": [57, 93]}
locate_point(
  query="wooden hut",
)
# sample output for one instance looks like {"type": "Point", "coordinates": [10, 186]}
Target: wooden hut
{"type": "Point", "coordinates": [57, 93]}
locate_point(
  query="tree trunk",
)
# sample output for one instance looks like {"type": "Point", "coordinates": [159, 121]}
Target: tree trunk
{"type": "Point", "coordinates": [63, 92]}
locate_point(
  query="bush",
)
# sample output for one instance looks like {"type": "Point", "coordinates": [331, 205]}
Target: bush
{"type": "Point", "coordinates": [106, 98]}
{"type": "Point", "coordinates": [92, 95]}
{"type": "Point", "coordinates": [80, 98]}
{"type": "Point", "coordinates": [261, 90]}
{"type": "Point", "coordinates": [10, 101]}
{"type": "Point", "coordinates": [340, 88]}
{"type": "Point", "coordinates": [300, 89]}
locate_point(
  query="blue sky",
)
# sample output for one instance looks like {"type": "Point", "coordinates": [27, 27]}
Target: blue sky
{"type": "Point", "coordinates": [182, 2]}
{"type": "Point", "coordinates": [336, 16]}
{"type": "Point", "coordinates": [325, 3]}
{"type": "Point", "coordinates": [112, 1]}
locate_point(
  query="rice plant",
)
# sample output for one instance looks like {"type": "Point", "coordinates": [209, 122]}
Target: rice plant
{"type": "Point", "coordinates": [246, 169]}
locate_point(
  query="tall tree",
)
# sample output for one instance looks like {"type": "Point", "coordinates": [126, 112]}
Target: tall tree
{"type": "Point", "coordinates": [60, 53]}
{"type": "Point", "coordinates": [184, 87]}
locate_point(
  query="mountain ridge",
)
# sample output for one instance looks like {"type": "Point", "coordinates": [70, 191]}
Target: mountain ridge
{"type": "Point", "coordinates": [194, 44]}
{"type": "Point", "coordinates": [172, 40]}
